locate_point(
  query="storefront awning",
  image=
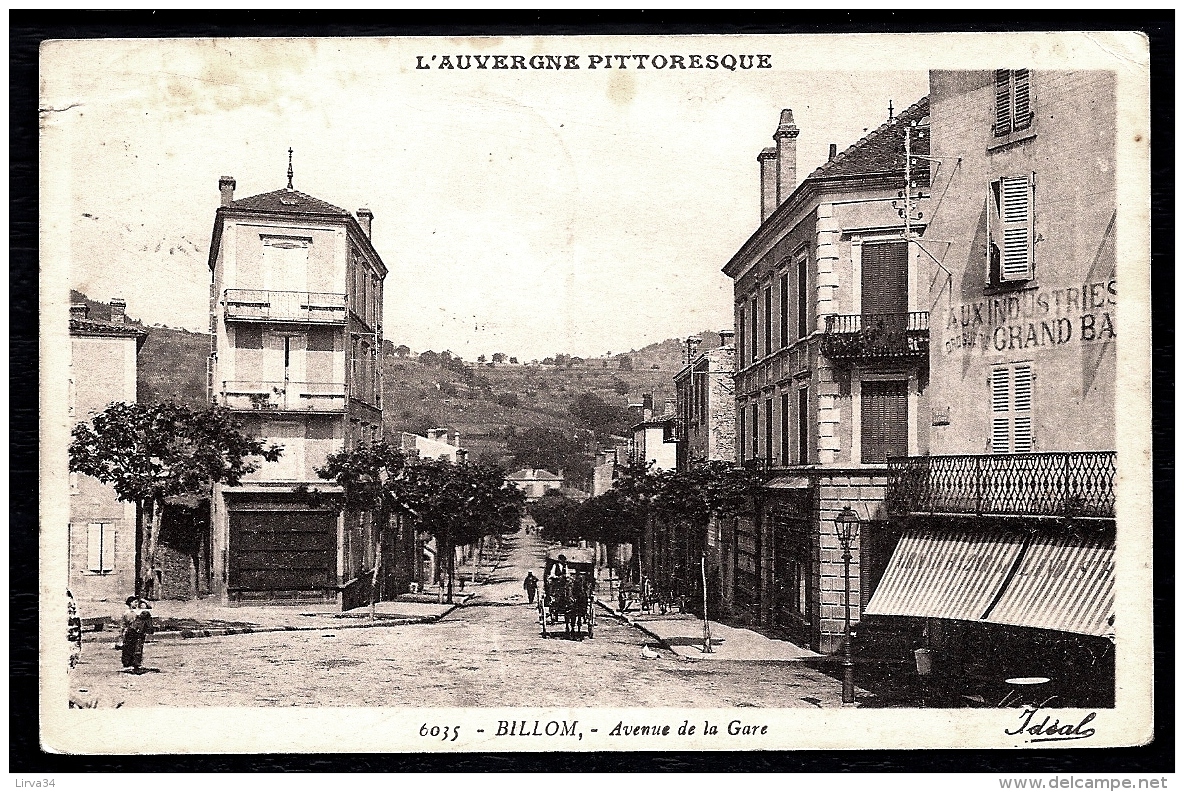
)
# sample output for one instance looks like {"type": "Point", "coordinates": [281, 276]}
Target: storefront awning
{"type": "Point", "coordinates": [1062, 583]}
{"type": "Point", "coordinates": [945, 574]}
{"type": "Point", "coordinates": [789, 482]}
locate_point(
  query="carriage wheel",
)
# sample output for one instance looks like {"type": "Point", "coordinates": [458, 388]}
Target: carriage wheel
{"type": "Point", "coordinates": [543, 617]}
{"type": "Point", "coordinates": [591, 618]}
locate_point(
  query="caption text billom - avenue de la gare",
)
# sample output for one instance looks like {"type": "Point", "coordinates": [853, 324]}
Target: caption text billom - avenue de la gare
{"type": "Point", "coordinates": [561, 62]}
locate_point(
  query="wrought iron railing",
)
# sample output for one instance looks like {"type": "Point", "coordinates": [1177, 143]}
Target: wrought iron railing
{"type": "Point", "coordinates": [1052, 485]}
{"type": "Point", "coordinates": [264, 395]}
{"type": "Point", "coordinates": [256, 305]}
{"type": "Point", "coordinates": [893, 335]}
{"type": "Point", "coordinates": [675, 430]}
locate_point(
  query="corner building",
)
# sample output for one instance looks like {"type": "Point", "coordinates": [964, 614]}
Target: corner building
{"type": "Point", "coordinates": [296, 324]}
{"type": "Point", "coordinates": [832, 333]}
{"type": "Point", "coordinates": [1005, 562]}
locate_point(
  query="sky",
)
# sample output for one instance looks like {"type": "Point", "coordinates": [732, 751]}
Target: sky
{"type": "Point", "coordinates": [526, 212]}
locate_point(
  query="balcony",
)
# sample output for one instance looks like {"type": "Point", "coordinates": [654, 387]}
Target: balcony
{"type": "Point", "coordinates": [261, 396]}
{"type": "Point", "coordinates": [877, 336]}
{"type": "Point", "coordinates": [1070, 485]}
{"type": "Point", "coordinates": [254, 305]}
{"type": "Point", "coordinates": [675, 430]}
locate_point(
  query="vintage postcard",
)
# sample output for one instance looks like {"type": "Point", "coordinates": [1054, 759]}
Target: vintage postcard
{"type": "Point", "coordinates": [595, 393]}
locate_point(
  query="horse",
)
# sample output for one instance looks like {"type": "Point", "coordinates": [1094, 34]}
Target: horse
{"type": "Point", "coordinates": [579, 590]}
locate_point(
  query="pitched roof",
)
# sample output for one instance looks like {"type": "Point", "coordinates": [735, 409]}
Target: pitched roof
{"type": "Point", "coordinates": [881, 150]}
{"type": "Point", "coordinates": [93, 327]}
{"type": "Point", "coordinates": [533, 474]}
{"type": "Point", "coordinates": [287, 202]}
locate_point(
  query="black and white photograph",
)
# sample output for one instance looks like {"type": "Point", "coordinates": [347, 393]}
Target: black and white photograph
{"type": "Point", "coordinates": [595, 393]}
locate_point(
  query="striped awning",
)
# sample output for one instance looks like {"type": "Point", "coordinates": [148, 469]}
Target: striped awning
{"type": "Point", "coordinates": [945, 574]}
{"type": "Point", "coordinates": [1063, 583]}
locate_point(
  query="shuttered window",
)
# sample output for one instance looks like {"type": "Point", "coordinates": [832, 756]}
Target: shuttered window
{"type": "Point", "coordinates": [755, 328]}
{"type": "Point", "coordinates": [100, 547]}
{"type": "Point", "coordinates": [785, 428]}
{"type": "Point", "coordinates": [769, 431]}
{"type": "Point", "coordinates": [803, 426]}
{"type": "Point", "coordinates": [768, 319]}
{"type": "Point", "coordinates": [1010, 218]}
{"type": "Point", "coordinates": [740, 425]}
{"type": "Point", "coordinates": [802, 305]}
{"type": "Point", "coordinates": [1013, 101]}
{"type": "Point", "coordinates": [756, 447]}
{"type": "Point", "coordinates": [741, 326]}
{"type": "Point", "coordinates": [884, 420]}
{"type": "Point", "coordinates": [1011, 409]}
{"type": "Point", "coordinates": [784, 310]}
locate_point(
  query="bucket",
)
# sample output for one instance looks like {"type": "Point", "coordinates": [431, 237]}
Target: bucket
{"type": "Point", "coordinates": [924, 658]}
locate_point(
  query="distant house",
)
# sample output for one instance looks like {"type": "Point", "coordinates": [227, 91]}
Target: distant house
{"type": "Point", "coordinates": [102, 530]}
{"type": "Point", "coordinates": [438, 444]}
{"type": "Point", "coordinates": [653, 439]}
{"type": "Point", "coordinates": [534, 482]}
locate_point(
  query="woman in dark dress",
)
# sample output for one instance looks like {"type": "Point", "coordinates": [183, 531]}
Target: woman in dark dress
{"type": "Point", "coordinates": [137, 623]}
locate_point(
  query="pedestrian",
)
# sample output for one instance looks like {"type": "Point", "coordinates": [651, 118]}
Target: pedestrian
{"type": "Point", "coordinates": [531, 584]}
{"type": "Point", "coordinates": [73, 629]}
{"type": "Point", "coordinates": [137, 623]}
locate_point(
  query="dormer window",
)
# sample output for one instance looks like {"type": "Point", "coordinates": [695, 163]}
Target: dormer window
{"type": "Point", "coordinates": [1013, 101]}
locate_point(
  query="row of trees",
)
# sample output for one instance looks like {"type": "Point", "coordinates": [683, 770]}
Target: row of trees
{"type": "Point", "coordinates": [154, 454]}
{"type": "Point", "coordinates": [640, 496]}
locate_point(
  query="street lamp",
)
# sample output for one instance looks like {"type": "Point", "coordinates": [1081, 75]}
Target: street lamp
{"type": "Point", "coordinates": [847, 528]}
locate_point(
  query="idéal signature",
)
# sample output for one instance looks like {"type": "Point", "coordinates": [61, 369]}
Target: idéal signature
{"type": "Point", "coordinates": [1051, 729]}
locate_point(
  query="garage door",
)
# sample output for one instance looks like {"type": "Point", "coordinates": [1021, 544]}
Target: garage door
{"type": "Point", "coordinates": [282, 551]}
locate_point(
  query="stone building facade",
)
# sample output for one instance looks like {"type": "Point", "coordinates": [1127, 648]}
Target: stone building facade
{"type": "Point", "coordinates": [831, 368]}
{"type": "Point", "coordinates": [296, 324]}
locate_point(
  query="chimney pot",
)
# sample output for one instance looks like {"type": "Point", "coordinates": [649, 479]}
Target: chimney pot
{"type": "Point", "coordinates": [226, 186]}
{"type": "Point", "coordinates": [366, 220]}
{"type": "Point", "coordinates": [726, 336]}
{"type": "Point", "coordinates": [768, 164]}
{"type": "Point", "coordinates": [118, 310]}
{"type": "Point", "coordinates": [834, 152]}
{"type": "Point", "coordinates": [79, 311]}
{"type": "Point", "coordinates": [786, 138]}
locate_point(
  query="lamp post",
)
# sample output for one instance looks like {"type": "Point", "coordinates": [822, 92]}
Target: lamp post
{"type": "Point", "coordinates": [847, 528]}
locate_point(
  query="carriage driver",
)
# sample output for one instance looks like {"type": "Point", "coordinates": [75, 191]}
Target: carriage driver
{"type": "Point", "coordinates": [559, 567]}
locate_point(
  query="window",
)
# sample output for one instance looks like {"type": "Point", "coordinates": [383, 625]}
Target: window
{"type": "Point", "coordinates": [248, 337]}
{"type": "Point", "coordinates": [803, 426]}
{"type": "Point", "coordinates": [784, 309]}
{"type": "Point", "coordinates": [740, 425]}
{"type": "Point", "coordinates": [100, 547]}
{"type": "Point", "coordinates": [883, 420]}
{"type": "Point", "coordinates": [769, 430]}
{"type": "Point", "coordinates": [1011, 409]}
{"type": "Point", "coordinates": [785, 428]}
{"type": "Point", "coordinates": [801, 298]}
{"type": "Point", "coordinates": [754, 328]}
{"type": "Point", "coordinates": [740, 323]}
{"type": "Point", "coordinates": [768, 319]}
{"type": "Point", "coordinates": [1013, 101]}
{"type": "Point", "coordinates": [1010, 220]}
{"type": "Point", "coordinates": [756, 447]}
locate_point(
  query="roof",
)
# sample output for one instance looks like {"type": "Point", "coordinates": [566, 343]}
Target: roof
{"type": "Point", "coordinates": [287, 202]}
{"type": "Point", "coordinates": [533, 474]}
{"type": "Point", "coordinates": [878, 155]}
{"type": "Point", "coordinates": [879, 151]}
{"type": "Point", "coordinates": [93, 327]}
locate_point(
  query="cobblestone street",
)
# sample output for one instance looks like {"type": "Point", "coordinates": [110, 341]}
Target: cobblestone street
{"type": "Point", "coordinates": [488, 653]}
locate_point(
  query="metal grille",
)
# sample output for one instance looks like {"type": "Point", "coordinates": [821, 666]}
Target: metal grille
{"type": "Point", "coordinates": [290, 306]}
{"type": "Point", "coordinates": [893, 335]}
{"type": "Point", "coordinates": [1053, 484]}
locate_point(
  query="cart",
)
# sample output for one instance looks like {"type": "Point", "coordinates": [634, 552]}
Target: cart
{"type": "Point", "coordinates": [569, 588]}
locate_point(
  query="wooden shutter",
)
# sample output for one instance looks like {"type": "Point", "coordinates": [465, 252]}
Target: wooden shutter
{"type": "Point", "coordinates": [1014, 235]}
{"type": "Point", "coordinates": [1022, 409]}
{"type": "Point", "coordinates": [755, 328]}
{"type": "Point", "coordinates": [802, 299]}
{"type": "Point", "coordinates": [884, 278]}
{"type": "Point", "coordinates": [1011, 410]}
{"type": "Point", "coordinates": [1002, 101]}
{"type": "Point", "coordinates": [785, 429]}
{"type": "Point", "coordinates": [740, 324]}
{"type": "Point", "coordinates": [803, 426]}
{"type": "Point", "coordinates": [768, 319]}
{"type": "Point", "coordinates": [741, 426]}
{"type": "Point", "coordinates": [1022, 100]}
{"type": "Point", "coordinates": [100, 546]}
{"type": "Point", "coordinates": [769, 430]}
{"type": "Point", "coordinates": [1000, 411]}
{"type": "Point", "coordinates": [883, 420]}
{"type": "Point", "coordinates": [784, 310]}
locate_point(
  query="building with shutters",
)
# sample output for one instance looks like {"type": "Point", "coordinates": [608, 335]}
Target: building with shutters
{"type": "Point", "coordinates": [102, 543]}
{"type": "Point", "coordinates": [296, 324]}
{"type": "Point", "coordinates": [1017, 491]}
{"type": "Point", "coordinates": [832, 337]}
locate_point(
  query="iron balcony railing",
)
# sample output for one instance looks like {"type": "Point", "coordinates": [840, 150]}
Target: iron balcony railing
{"type": "Point", "coordinates": [255, 305]}
{"type": "Point", "coordinates": [1030, 485]}
{"type": "Point", "coordinates": [867, 336]}
{"type": "Point", "coordinates": [284, 396]}
{"type": "Point", "coordinates": [675, 430]}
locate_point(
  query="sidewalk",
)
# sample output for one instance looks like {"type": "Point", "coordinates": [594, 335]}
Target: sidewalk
{"type": "Point", "coordinates": [682, 633]}
{"type": "Point", "coordinates": [207, 618]}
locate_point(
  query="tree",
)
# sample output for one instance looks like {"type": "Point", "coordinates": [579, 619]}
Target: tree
{"type": "Point", "coordinates": [624, 363]}
{"type": "Point", "coordinates": [499, 357]}
{"type": "Point", "coordinates": [555, 515]}
{"type": "Point", "coordinates": [552, 449]}
{"type": "Point", "coordinates": [149, 453]}
{"type": "Point", "coordinates": [507, 399]}
{"type": "Point", "coordinates": [600, 416]}
{"type": "Point", "coordinates": [429, 358]}
{"type": "Point", "coordinates": [402, 350]}
{"type": "Point", "coordinates": [548, 361]}
{"type": "Point", "coordinates": [480, 358]}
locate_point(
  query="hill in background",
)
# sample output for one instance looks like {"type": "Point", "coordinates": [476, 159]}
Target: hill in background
{"type": "Point", "coordinates": [486, 403]}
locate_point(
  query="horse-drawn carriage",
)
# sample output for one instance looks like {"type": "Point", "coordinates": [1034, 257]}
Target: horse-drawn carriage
{"type": "Point", "coordinates": [569, 587]}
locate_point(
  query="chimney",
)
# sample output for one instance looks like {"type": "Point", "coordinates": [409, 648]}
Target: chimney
{"type": "Point", "coordinates": [692, 347]}
{"type": "Point", "coordinates": [768, 162]}
{"type": "Point", "coordinates": [668, 408]}
{"type": "Point", "coordinates": [454, 438]}
{"type": "Point", "coordinates": [118, 308]}
{"type": "Point", "coordinates": [647, 401]}
{"type": "Point", "coordinates": [365, 219]}
{"type": "Point", "coordinates": [79, 311]}
{"type": "Point", "coordinates": [786, 138]}
{"type": "Point", "coordinates": [726, 336]}
{"type": "Point", "coordinates": [226, 187]}
{"type": "Point", "coordinates": [834, 152]}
